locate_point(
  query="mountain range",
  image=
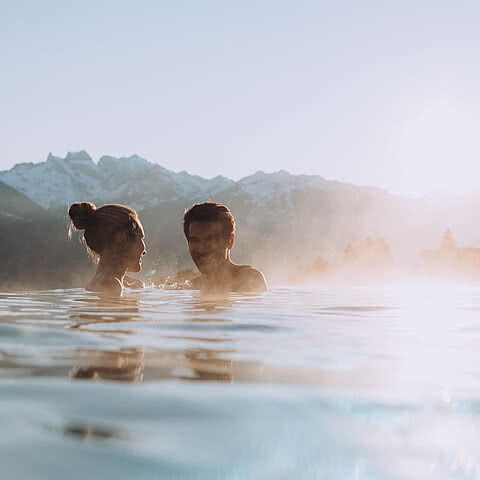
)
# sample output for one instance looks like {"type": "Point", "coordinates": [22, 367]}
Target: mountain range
{"type": "Point", "coordinates": [57, 182]}
{"type": "Point", "coordinates": [283, 220]}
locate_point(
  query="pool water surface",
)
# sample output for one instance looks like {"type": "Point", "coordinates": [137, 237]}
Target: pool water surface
{"type": "Point", "coordinates": [305, 382]}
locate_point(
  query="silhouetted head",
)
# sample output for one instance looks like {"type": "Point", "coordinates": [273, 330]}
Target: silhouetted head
{"type": "Point", "coordinates": [112, 231]}
{"type": "Point", "coordinates": [210, 232]}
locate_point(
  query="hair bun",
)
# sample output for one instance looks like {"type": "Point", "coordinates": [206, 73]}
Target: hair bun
{"type": "Point", "coordinates": [82, 214]}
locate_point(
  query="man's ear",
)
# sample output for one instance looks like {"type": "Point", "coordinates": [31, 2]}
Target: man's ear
{"type": "Point", "coordinates": [231, 240]}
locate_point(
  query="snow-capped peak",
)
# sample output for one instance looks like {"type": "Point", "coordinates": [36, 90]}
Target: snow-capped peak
{"type": "Point", "coordinates": [78, 157]}
{"type": "Point", "coordinates": [140, 183]}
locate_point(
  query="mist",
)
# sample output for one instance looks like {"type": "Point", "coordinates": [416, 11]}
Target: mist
{"type": "Point", "coordinates": [310, 232]}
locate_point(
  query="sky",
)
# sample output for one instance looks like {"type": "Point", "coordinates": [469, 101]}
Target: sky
{"type": "Point", "coordinates": [382, 93]}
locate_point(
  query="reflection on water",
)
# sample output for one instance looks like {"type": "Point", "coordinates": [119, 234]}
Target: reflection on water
{"type": "Point", "coordinates": [129, 364]}
{"type": "Point", "coordinates": [124, 365]}
{"type": "Point", "coordinates": [366, 383]}
{"type": "Point", "coordinates": [395, 341]}
{"type": "Point", "coordinates": [109, 319]}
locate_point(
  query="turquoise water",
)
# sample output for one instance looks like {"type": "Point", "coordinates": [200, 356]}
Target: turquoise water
{"type": "Point", "coordinates": [336, 383]}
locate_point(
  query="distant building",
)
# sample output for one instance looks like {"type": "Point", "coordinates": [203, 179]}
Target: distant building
{"type": "Point", "coordinates": [450, 258]}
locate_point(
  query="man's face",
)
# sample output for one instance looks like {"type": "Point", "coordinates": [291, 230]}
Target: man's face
{"type": "Point", "coordinates": [208, 245]}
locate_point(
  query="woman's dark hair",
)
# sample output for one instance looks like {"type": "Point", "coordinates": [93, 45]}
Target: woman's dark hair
{"type": "Point", "coordinates": [101, 224]}
{"type": "Point", "coordinates": [209, 212]}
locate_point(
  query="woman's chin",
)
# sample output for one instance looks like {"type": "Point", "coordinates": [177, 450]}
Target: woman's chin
{"type": "Point", "coordinates": [134, 268]}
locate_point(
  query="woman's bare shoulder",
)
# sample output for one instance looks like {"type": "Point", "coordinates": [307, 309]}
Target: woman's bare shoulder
{"type": "Point", "coordinates": [110, 285]}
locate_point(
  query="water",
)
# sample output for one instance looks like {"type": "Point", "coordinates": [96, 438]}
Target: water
{"type": "Point", "coordinates": [335, 383]}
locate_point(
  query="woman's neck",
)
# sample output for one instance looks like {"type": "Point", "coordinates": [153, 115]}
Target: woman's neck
{"type": "Point", "coordinates": [108, 268]}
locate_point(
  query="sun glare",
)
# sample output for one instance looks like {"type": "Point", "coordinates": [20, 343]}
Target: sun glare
{"type": "Point", "coordinates": [435, 147]}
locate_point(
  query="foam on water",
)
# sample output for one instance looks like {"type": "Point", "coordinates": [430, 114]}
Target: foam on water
{"type": "Point", "coordinates": [360, 383]}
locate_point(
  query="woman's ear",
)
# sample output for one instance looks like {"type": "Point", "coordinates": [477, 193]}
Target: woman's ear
{"type": "Point", "coordinates": [231, 240]}
{"type": "Point", "coordinates": [120, 241]}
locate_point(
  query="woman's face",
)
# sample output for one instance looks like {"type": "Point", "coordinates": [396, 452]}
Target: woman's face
{"type": "Point", "coordinates": [136, 249]}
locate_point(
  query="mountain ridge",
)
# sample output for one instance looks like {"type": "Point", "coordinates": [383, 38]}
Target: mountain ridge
{"type": "Point", "coordinates": [283, 220]}
{"type": "Point", "coordinates": [58, 181]}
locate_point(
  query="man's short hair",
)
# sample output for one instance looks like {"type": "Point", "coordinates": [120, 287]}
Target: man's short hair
{"type": "Point", "coordinates": [209, 212]}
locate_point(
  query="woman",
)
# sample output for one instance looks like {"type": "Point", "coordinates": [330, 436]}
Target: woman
{"type": "Point", "coordinates": [115, 238]}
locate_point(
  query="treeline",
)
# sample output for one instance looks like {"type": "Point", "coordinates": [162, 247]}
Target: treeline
{"type": "Point", "coordinates": [368, 256]}
{"type": "Point", "coordinates": [36, 254]}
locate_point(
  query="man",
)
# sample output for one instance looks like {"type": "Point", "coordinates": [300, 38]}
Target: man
{"type": "Point", "coordinates": [210, 232]}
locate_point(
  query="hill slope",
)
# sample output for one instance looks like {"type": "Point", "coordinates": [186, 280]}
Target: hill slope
{"type": "Point", "coordinates": [16, 205]}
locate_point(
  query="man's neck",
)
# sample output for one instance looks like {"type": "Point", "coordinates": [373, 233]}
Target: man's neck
{"type": "Point", "coordinates": [220, 275]}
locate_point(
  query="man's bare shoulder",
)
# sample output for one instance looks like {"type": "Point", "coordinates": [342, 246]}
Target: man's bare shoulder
{"type": "Point", "coordinates": [248, 279]}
